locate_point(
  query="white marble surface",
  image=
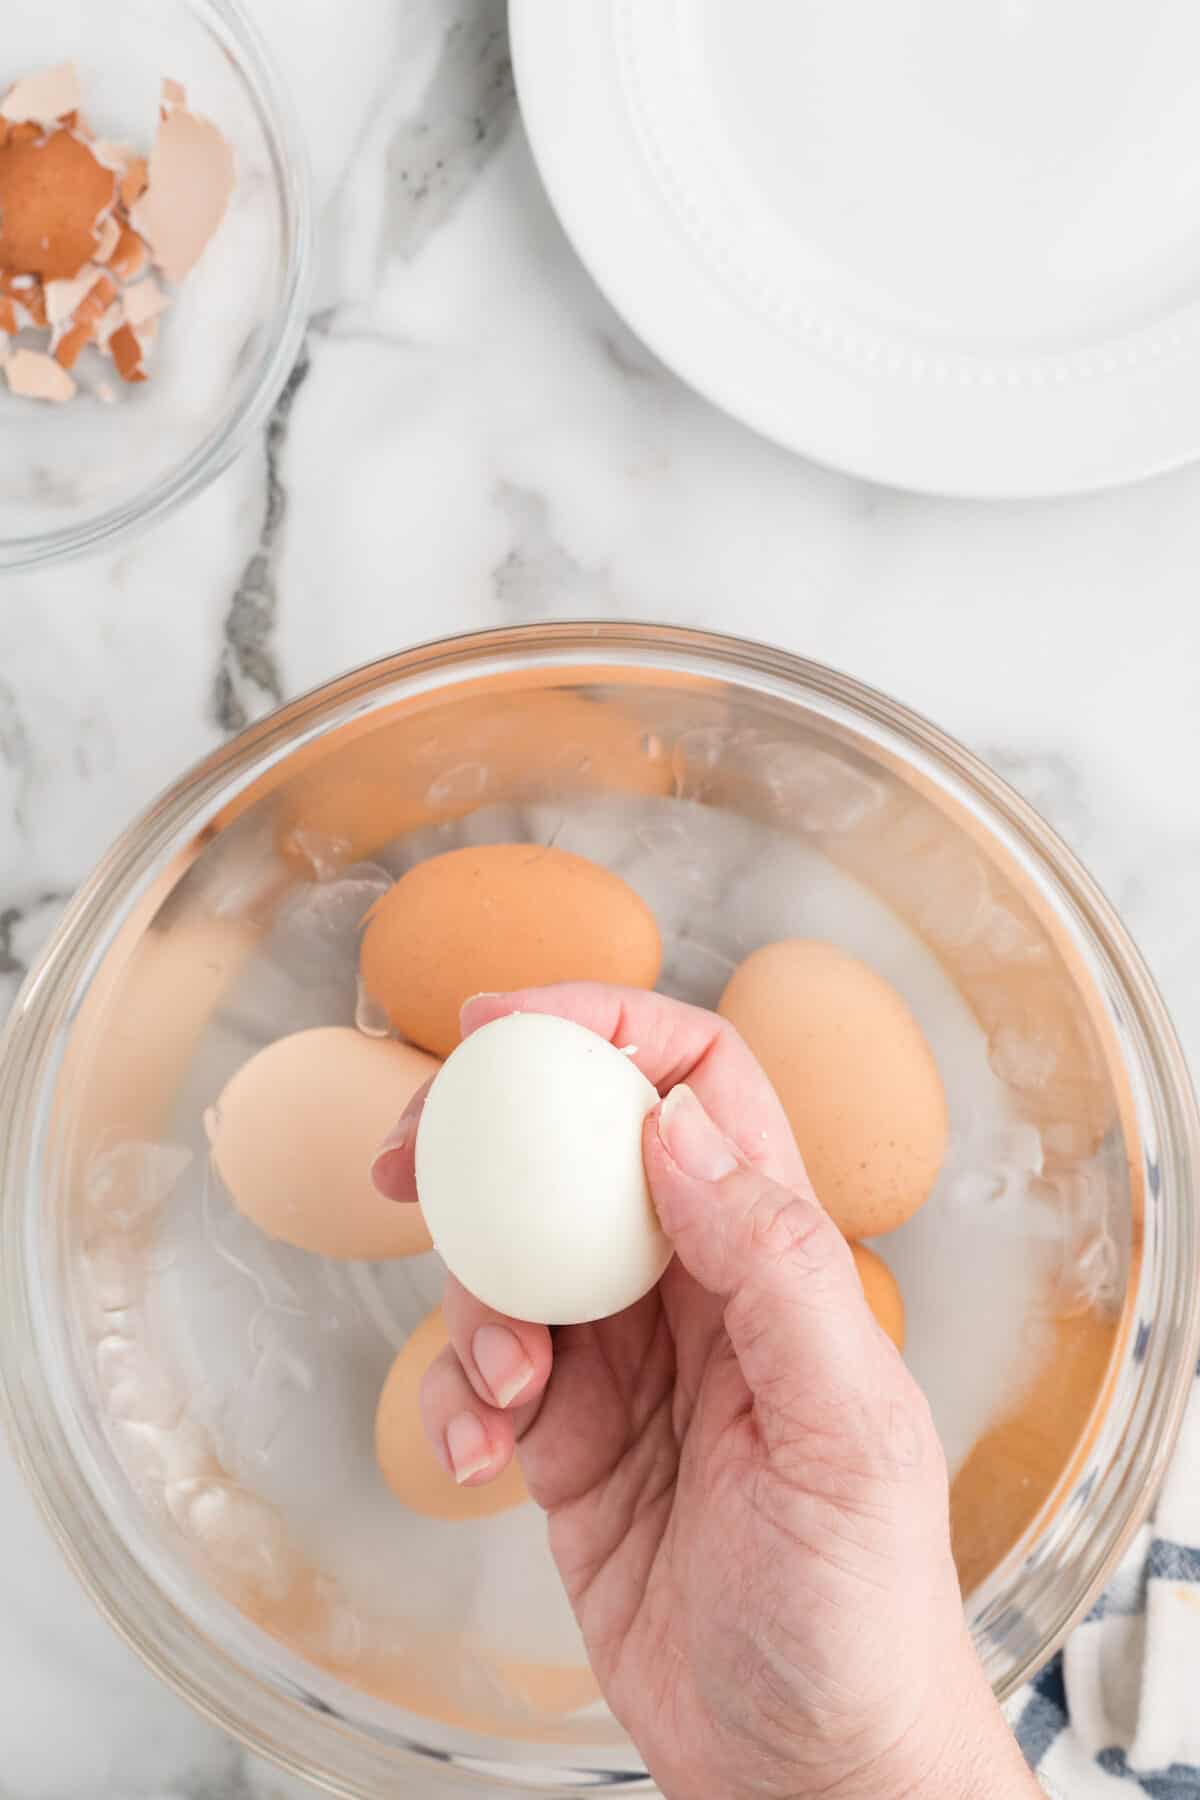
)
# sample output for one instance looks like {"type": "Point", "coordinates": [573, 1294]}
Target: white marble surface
{"type": "Point", "coordinates": [475, 439]}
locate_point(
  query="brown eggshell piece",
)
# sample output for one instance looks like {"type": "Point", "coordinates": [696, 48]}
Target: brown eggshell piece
{"type": "Point", "coordinates": [63, 297]}
{"type": "Point", "coordinates": [129, 255]}
{"type": "Point", "coordinates": [99, 298]}
{"type": "Point", "coordinates": [33, 375]}
{"type": "Point", "coordinates": [26, 293]}
{"type": "Point", "coordinates": [882, 1291]}
{"type": "Point", "coordinates": [43, 97]}
{"type": "Point", "coordinates": [294, 1134]}
{"type": "Point", "coordinates": [87, 316]}
{"type": "Point", "coordinates": [126, 351]}
{"type": "Point", "coordinates": [71, 345]}
{"type": "Point", "coordinates": [405, 1457]}
{"type": "Point", "coordinates": [495, 917]}
{"type": "Point", "coordinates": [189, 185]}
{"type": "Point", "coordinates": [133, 181]}
{"type": "Point", "coordinates": [855, 1074]}
{"type": "Point", "coordinates": [52, 194]}
{"type": "Point", "coordinates": [108, 237]}
{"type": "Point", "coordinates": [144, 302]}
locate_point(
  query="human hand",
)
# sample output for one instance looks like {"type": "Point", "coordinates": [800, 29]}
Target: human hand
{"type": "Point", "coordinates": [747, 1499]}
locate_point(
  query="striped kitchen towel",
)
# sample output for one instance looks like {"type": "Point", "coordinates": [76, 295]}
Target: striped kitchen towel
{"type": "Point", "coordinates": [1119, 1709]}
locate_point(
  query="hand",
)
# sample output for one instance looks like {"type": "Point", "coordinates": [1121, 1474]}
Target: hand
{"type": "Point", "coordinates": [747, 1499]}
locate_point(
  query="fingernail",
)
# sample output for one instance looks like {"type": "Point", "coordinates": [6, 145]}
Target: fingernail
{"type": "Point", "coordinates": [397, 1139]}
{"type": "Point", "coordinates": [394, 1142]}
{"type": "Point", "coordinates": [474, 997]}
{"type": "Point", "coordinates": [501, 1360]}
{"type": "Point", "coordinates": [398, 1136]}
{"type": "Point", "coordinates": [691, 1139]}
{"type": "Point", "coordinates": [467, 1447]}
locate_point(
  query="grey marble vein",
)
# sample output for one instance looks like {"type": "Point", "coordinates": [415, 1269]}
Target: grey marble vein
{"type": "Point", "coordinates": [538, 578]}
{"type": "Point", "coordinates": [248, 682]}
{"type": "Point", "coordinates": [25, 924]}
{"type": "Point", "coordinates": [10, 916]}
{"type": "Point", "coordinates": [229, 1780]}
{"type": "Point", "coordinates": [16, 752]}
{"type": "Point", "coordinates": [435, 155]}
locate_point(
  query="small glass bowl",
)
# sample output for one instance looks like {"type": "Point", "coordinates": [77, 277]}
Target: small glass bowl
{"type": "Point", "coordinates": [77, 475]}
{"type": "Point", "coordinates": [682, 748]}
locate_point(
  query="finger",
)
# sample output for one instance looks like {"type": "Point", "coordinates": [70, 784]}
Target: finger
{"type": "Point", "coordinates": [670, 1042]}
{"type": "Point", "coordinates": [474, 1442]}
{"type": "Point", "coordinates": [795, 1312]}
{"type": "Point", "coordinates": [393, 1169]}
{"type": "Point", "coordinates": [506, 1361]}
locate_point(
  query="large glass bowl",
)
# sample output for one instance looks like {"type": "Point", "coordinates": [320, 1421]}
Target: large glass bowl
{"type": "Point", "coordinates": [689, 756]}
{"type": "Point", "coordinates": [76, 476]}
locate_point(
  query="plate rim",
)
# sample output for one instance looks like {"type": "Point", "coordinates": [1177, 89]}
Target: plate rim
{"type": "Point", "coordinates": [541, 38]}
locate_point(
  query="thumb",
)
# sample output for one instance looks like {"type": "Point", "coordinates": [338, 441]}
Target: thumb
{"type": "Point", "coordinates": [795, 1311]}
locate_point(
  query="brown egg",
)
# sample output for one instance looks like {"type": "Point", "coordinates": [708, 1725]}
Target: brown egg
{"type": "Point", "coordinates": [883, 1294]}
{"type": "Point", "coordinates": [405, 1457]}
{"type": "Point", "coordinates": [294, 1133]}
{"type": "Point", "coordinates": [497, 917]}
{"type": "Point", "coordinates": [351, 794]}
{"type": "Point", "coordinates": [856, 1077]}
{"type": "Point", "coordinates": [1014, 1467]}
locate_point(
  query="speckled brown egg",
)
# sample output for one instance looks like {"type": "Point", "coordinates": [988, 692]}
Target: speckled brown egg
{"type": "Point", "coordinates": [855, 1074]}
{"type": "Point", "coordinates": [406, 1458]}
{"type": "Point", "coordinates": [294, 1133]}
{"type": "Point", "coordinates": [882, 1291]}
{"type": "Point", "coordinates": [496, 917]}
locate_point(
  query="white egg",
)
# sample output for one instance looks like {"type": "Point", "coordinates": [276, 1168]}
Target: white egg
{"type": "Point", "coordinates": [530, 1173]}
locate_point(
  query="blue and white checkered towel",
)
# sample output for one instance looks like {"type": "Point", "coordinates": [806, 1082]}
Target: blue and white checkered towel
{"type": "Point", "coordinates": [1119, 1709]}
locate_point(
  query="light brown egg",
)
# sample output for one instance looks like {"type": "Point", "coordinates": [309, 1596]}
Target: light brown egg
{"type": "Point", "coordinates": [496, 917]}
{"type": "Point", "coordinates": [883, 1294]}
{"type": "Point", "coordinates": [1014, 1467]}
{"type": "Point", "coordinates": [406, 1458]}
{"type": "Point", "coordinates": [856, 1077]}
{"type": "Point", "coordinates": [294, 1133]}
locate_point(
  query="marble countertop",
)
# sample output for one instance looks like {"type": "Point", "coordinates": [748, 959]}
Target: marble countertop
{"type": "Point", "coordinates": [472, 438]}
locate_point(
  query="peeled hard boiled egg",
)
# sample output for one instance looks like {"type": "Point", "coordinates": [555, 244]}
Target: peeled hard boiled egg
{"type": "Point", "coordinates": [294, 1132]}
{"type": "Point", "coordinates": [529, 1168]}
{"type": "Point", "coordinates": [403, 1452]}
{"type": "Point", "coordinates": [856, 1077]}
{"type": "Point", "coordinates": [494, 917]}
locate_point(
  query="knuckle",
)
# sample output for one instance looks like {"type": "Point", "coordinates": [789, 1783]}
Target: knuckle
{"type": "Point", "coordinates": [442, 1378]}
{"type": "Point", "coordinates": [792, 1230]}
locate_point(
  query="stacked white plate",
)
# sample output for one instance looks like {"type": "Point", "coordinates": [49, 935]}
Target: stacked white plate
{"type": "Point", "coordinates": [948, 244]}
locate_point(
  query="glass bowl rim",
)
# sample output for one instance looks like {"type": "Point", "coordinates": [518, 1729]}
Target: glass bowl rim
{"type": "Point", "coordinates": [232, 429]}
{"type": "Point", "coordinates": [280, 1725]}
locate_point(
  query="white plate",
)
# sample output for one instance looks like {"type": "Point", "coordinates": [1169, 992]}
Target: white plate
{"type": "Point", "coordinates": [948, 244]}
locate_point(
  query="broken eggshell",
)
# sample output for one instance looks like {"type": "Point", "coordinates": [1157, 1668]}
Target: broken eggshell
{"type": "Point", "coordinates": [43, 98]}
{"type": "Point", "coordinates": [36, 376]}
{"type": "Point", "coordinates": [189, 187]}
{"type": "Point", "coordinates": [53, 195]}
{"type": "Point", "coordinates": [73, 260]}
